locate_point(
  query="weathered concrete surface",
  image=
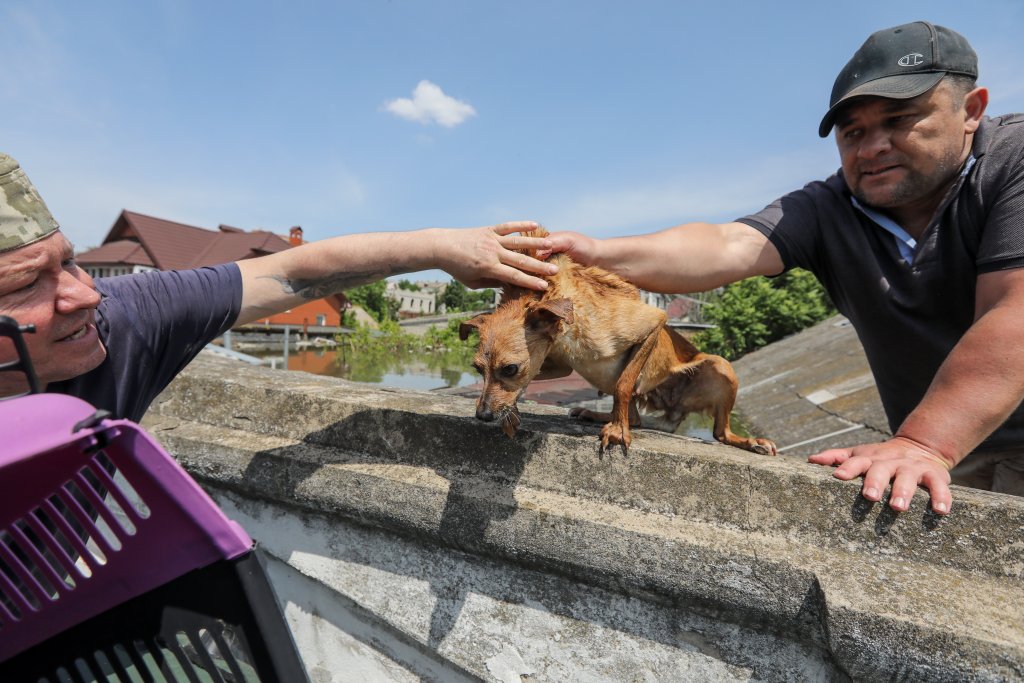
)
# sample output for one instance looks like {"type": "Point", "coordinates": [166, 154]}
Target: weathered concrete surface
{"type": "Point", "coordinates": [681, 556]}
{"type": "Point", "coordinates": [394, 608]}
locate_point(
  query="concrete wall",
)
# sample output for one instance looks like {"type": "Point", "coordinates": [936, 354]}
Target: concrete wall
{"type": "Point", "coordinates": [407, 541]}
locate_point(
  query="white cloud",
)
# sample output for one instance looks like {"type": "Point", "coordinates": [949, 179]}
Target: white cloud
{"type": "Point", "coordinates": [429, 104]}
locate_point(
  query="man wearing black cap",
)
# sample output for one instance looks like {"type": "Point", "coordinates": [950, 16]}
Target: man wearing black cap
{"type": "Point", "coordinates": [919, 240]}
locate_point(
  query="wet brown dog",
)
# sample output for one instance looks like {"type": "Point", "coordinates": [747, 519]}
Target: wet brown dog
{"type": "Point", "coordinates": [594, 322]}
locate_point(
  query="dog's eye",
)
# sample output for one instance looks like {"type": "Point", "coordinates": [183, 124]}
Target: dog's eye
{"type": "Point", "coordinates": [478, 368]}
{"type": "Point", "coordinates": [510, 370]}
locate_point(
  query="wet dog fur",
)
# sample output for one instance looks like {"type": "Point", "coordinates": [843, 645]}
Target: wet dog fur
{"type": "Point", "coordinates": [593, 322]}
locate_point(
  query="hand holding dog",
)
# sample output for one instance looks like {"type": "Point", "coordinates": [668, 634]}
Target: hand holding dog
{"type": "Point", "coordinates": [901, 460]}
{"type": "Point", "coordinates": [485, 257]}
{"type": "Point", "coordinates": [579, 247]}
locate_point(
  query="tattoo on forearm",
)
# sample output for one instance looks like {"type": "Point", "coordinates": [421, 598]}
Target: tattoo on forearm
{"type": "Point", "coordinates": [332, 284]}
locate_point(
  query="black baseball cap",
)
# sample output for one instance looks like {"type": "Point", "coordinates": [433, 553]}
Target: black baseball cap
{"type": "Point", "coordinates": [901, 62]}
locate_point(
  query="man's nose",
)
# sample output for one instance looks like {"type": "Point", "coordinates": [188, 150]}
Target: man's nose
{"type": "Point", "coordinates": [874, 142]}
{"type": "Point", "coordinates": [75, 293]}
{"type": "Point", "coordinates": [484, 413]}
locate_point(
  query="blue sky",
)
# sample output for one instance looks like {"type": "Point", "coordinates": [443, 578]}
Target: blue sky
{"type": "Point", "coordinates": [605, 117]}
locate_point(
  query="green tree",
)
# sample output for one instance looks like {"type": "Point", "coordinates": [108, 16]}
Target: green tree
{"type": "Point", "coordinates": [757, 311]}
{"type": "Point", "coordinates": [479, 299]}
{"type": "Point", "coordinates": [439, 338]}
{"type": "Point", "coordinates": [374, 300]}
{"type": "Point", "coordinates": [454, 296]}
{"type": "Point", "coordinates": [458, 298]}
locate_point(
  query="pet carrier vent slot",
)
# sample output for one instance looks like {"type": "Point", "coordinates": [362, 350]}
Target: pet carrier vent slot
{"type": "Point", "coordinates": [79, 518]}
{"type": "Point", "coordinates": [218, 651]}
{"type": "Point", "coordinates": [32, 554]}
{"type": "Point", "coordinates": [116, 481]}
{"type": "Point", "coordinates": [109, 499]}
{"type": "Point", "coordinates": [50, 547]}
{"type": "Point", "coordinates": [67, 533]}
{"type": "Point", "coordinates": [10, 596]}
{"type": "Point", "coordinates": [23, 588]}
{"type": "Point", "coordinates": [92, 504]}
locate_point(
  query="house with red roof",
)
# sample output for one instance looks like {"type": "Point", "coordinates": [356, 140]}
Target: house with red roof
{"type": "Point", "coordinates": [137, 243]}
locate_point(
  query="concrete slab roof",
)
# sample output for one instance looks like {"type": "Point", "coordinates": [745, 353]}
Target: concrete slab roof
{"type": "Point", "coordinates": [811, 391]}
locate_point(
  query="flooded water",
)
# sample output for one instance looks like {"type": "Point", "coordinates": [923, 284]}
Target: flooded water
{"type": "Point", "coordinates": [408, 370]}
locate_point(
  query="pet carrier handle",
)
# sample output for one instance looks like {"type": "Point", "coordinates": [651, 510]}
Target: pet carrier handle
{"type": "Point", "coordinates": [10, 328]}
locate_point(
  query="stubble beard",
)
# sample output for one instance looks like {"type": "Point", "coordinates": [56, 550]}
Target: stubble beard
{"type": "Point", "coordinates": [916, 186]}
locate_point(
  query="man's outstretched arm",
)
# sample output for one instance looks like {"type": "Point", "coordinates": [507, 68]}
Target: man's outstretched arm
{"type": "Point", "coordinates": [694, 257]}
{"type": "Point", "coordinates": [476, 257]}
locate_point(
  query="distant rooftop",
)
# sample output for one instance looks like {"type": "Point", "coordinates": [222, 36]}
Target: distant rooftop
{"type": "Point", "coordinates": [137, 239]}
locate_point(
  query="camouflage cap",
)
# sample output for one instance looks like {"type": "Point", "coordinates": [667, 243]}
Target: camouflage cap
{"type": "Point", "coordinates": [24, 218]}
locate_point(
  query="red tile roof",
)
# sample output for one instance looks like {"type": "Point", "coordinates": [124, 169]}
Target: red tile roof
{"type": "Point", "coordinates": [235, 246]}
{"type": "Point", "coordinates": [122, 251]}
{"type": "Point", "coordinates": [169, 245]}
{"type": "Point", "coordinates": [136, 239]}
{"type": "Point", "coordinates": [678, 308]}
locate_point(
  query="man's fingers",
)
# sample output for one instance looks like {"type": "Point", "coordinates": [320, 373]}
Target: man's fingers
{"type": "Point", "coordinates": [937, 484]}
{"type": "Point", "coordinates": [903, 488]}
{"type": "Point", "coordinates": [880, 466]}
{"type": "Point", "coordinates": [856, 466]}
{"type": "Point", "coordinates": [834, 456]}
{"type": "Point", "coordinates": [513, 256]}
{"type": "Point", "coordinates": [519, 278]}
{"type": "Point", "coordinates": [521, 242]}
{"type": "Point", "coordinates": [529, 264]}
{"type": "Point", "coordinates": [877, 476]}
{"type": "Point", "coordinates": [514, 226]}
{"type": "Point", "coordinates": [563, 241]}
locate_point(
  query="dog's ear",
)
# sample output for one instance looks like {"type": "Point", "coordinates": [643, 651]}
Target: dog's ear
{"type": "Point", "coordinates": [472, 324]}
{"type": "Point", "coordinates": [546, 316]}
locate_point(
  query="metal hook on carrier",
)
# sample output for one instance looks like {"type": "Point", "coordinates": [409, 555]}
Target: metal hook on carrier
{"type": "Point", "coordinates": [10, 328]}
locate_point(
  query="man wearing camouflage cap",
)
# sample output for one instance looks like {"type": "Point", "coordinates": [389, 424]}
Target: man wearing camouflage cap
{"type": "Point", "coordinates": [33, 256]}
{"type": "Point", "coordinates": [117, 342]}
{"type": "Point", "coordinates": [24, 217]}
{"type": "Point", "coordinates": [918, 239]}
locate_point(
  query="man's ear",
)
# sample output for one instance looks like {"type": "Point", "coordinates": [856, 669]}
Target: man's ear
{"type": "Point", "coordinates": [975, 103]}
{"type": "Point", "coordinates": [472, 324]}
{"type": "Point", "coordinates": [546, 316]}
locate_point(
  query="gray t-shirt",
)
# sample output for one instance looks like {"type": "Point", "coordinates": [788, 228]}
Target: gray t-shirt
{"type": "Point", "coordinates": [153, 325]}
{"type": "Point", "coordinates": [910, 315]}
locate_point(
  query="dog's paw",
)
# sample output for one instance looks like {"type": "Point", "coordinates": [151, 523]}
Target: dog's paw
{"type": "Point", "coordinates": [763, 447]}
{"type": "Point", "coordinates": [581, 414]}
{"type": "Point", "coordinates": [612, 434]}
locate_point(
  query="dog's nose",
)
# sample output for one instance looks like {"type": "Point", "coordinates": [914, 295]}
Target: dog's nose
{"type": "Point", "coordinates": [484, 413]}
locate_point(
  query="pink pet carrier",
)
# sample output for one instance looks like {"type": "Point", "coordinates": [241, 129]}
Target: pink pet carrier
{"type": "Point", "coordinates": [114, 564]}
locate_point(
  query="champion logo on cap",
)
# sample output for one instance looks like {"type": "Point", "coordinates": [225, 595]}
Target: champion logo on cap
{"type": "Point", "coordinates": [913, 59]}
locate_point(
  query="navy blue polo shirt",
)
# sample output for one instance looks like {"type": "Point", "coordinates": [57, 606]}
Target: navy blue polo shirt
{"type": "Point", "coordinates": [153, 324]}
{"type": "Point", "coordinates": [909, 314]}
